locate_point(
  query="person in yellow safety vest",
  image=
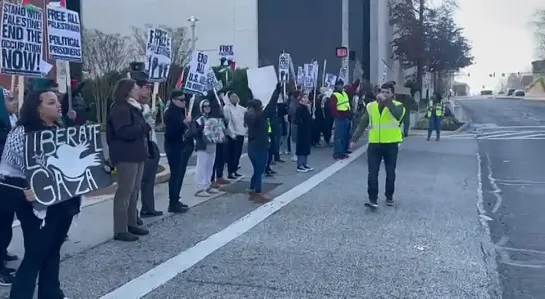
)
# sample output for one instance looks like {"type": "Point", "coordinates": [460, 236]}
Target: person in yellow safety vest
{"type": "Point", "coordinates": [383, 118]}
{"type": "Point", "coordinates": [340, 109]}
{"type": "Point", "coordinates": [436, 110]}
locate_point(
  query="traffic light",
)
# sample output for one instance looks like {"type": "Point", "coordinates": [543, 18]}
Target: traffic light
{"type": "Point", "coordinates": [494, 74]}
{"type": "Point", "coordinates": [503, 74]}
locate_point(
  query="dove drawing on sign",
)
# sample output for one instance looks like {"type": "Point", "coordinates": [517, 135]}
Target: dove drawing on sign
{"type": "Point", "coordinates": [69, 160]}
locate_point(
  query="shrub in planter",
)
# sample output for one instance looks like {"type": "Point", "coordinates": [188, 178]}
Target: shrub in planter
{"type": "Point", "coordinates": [448, 123]}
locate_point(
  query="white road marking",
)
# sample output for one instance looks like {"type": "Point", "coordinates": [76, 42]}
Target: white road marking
{"type": "Point", "coordinates": [158, 276]}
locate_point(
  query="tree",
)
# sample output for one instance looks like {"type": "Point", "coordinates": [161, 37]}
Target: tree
{"type": "Point", "coordinates": [106, 59]}
{"type": "Point", "coordinates": [180, 53]}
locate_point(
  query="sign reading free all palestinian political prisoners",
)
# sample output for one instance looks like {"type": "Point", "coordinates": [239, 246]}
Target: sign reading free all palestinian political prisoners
{"type": "Point", "coordinates": [64, 163]}
{"type": "Point", "coordinates": [22, 39]}
{"type": "Point", "coordinates": [63, 34]}
{"type": "Point", "coordinates": [197, 81]}
{"type": "Point", "coordinates": [158, 55]}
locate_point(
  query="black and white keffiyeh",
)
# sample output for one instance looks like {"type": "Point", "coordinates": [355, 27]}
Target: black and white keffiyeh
{"type": "Point", "coordinates": [14, 149]}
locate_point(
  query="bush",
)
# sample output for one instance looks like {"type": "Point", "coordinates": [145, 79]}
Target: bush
{"type": "Point", "coordinates": [448, 123]}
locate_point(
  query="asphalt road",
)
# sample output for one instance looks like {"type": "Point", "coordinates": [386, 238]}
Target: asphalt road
{"type": "Point", "coordinates": [511, 146]}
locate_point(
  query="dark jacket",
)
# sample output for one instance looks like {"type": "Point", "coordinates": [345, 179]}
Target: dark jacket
{"type": "Point", "coordinates": [257, 129]}
{"type": "Point", "coordinates": [127, 133]}
{"type": "Point", "coordinates": [303, 120]}
{"type": "Point", "coordinates": [176, 132]}
{"type": "Point", "coordinates": [271, 110]}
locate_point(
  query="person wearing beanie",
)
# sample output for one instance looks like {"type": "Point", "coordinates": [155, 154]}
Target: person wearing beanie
{"type": "Point", "coordinates": [178, 146]}
{"type": "Point", "coordinates": [234, 114]}
{"type": "Point", "coordinates": [339, 104]}
{"type": "Point", "coordinates": [384, 117]}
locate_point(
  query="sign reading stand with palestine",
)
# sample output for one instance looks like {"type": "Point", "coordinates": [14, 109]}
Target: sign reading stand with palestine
{"type": "Point", "coordinates": [64, 163]}
{"type": "Point", "coordinates": [22, 39]}
{"type": "Point", "coordinates": [63, 34]}
{"type": "Point", "coordinates": [158, 54]}
{"type": "Point", "coordinates": [197, 81]}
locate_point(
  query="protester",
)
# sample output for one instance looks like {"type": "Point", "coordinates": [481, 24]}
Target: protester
{"type": "Point", "coordinates": [283, 110]}
{"type": "Point", "coordinates": [234, 114]}
{"type": "Point", "coordinates": [294, 102]}
{"type": "Point", "coordinates": [208, 132]}
{"type": "Point", "coordinates": [178, 147]}
{"type": "Point", "coordinates": [383, 118]}
{"type": "Point", "coordinates": [303, 120]}
{"type": "Point", "coordinates": [128, 136]}
{"type": "Point", "coordinates": [271, 110]}
{"type": "Point", "coordinates": [220, 160]}
{"type": "Point", "coordinates": [341, 110]}
{"type": "Point", "coordinates": [44, 231]}
{"type": "Point", "coordinates": [8, 120]}
{"type": "Point", "coordinates": [436, 110]}
{"type": "Point", "coordinates": [258, 147]}
{"type": "Point", "coordinates": [319, 125]}
{"type": "Point", "coordinates": [147, 186]}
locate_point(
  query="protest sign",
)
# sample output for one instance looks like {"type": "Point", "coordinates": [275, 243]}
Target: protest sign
{"type": "Point", "coordinates": [330, 80]}
{"type": "Point", "coordinates": [64, 163]}
{"type": "Point", "coordinates": [309, 76]}
{"type": "Point", "coordinates": [22, 39]}
{"type": "Point", "coordinates": [198, 69]}
{"type": "Point", "coordinates": [300, 75]}
{"type": "Point", "coordinates": [212, 80]}
{"type": "Point", "coordinates": [284, 67]}
{"type": "Point", "coordinates": [262, 82]}
{"type": "Point", "coordinates": [158, 54]}
{"type": "Point", "coordinates": [227, 52]}
{"type": "Point", "coordinates": [343, 74]}
{"type": "Point", "coordinates": [63, 34]}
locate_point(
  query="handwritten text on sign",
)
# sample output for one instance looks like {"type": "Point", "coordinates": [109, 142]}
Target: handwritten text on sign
{"type": "Point", "coordinates": [64, 163]}
{"type": "Point", "coordinates": [64, 34]}
{"type": "Point", "coordinates": [158, 54]}
{"type": "Point", "coordinates": [21, 40]}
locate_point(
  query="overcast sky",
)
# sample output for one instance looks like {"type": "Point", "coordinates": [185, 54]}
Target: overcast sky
{"type": "Point", "coordinates": [501, 35]}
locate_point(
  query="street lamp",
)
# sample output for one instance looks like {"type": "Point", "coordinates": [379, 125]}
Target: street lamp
{"type": "Point", "coordinates": [193, 21]}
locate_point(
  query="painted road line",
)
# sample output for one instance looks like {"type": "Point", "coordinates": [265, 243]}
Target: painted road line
{"type": "Point", "coordinates": [158, 276]}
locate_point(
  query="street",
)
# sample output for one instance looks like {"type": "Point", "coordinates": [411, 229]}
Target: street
{"type": "Point", "coordinates": [511, 143]}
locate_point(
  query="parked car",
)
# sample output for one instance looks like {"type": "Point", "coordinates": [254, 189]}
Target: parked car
{"type": "Point", "coordinates": [519, 93]}
{"type": "Point", "coordinates": [510, 91]}
{"type": "Point", "coordinates": [486, 92]}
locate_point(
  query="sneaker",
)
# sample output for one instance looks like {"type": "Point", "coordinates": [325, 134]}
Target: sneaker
{"type": "Point", "coordinates": [389, 202]}
{"type": "Point", "coordinates": [308, 168]}
{"type": "Point", "coordinates": [6, 279]}
{"type": "Point", "coordinates": [213, 191]}
{"type": "Point", "coordinates": [138, 231]}
{"type": "Point", "coordinates": [294, 158]}
{"type": "Point", "coordinates": [178, 208]}
{"type": "Point", "coordinates": [231, 177]}
{"type": "Point", "coordinates": [372, 205]}
{"type": "Point", "coordinates": [302, 169]}
{"type": "Point", "coordinates": [202, 193]}
{"type": "Point", "coordinates": [238, 175]}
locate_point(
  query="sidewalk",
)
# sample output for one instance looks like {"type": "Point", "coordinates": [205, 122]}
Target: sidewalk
{"type": "Point", "coordinates": [326, 244]}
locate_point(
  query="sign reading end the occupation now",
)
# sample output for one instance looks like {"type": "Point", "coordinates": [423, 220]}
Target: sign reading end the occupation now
{"type": "Point", "coordinates": [22, 40]}
{"type": "Point", "coordinates": [63, 34]}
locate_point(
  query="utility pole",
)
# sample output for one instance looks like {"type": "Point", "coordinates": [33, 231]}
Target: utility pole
{"type": "Point", "coordinates": [344, 35]}
{"type": "Point", "coordinates": [193, 22]}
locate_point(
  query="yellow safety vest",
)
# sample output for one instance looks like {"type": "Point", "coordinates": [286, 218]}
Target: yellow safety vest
{"type": "Point", "coordinates": [343, 102]}
{"type": "Point", "coordinates": [384, 127]}
{"type": "Point", "coordinates": [269, 128]}
{"type": "Point", "coordinates": [439, 111]}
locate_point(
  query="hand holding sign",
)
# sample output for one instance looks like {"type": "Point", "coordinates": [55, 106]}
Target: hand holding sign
{"type": "Point", "coordinates": [29, 195]}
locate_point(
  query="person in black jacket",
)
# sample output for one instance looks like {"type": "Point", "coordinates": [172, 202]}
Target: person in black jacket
{"type": "Point", "coordinates": [178, 148]}
{"type": "Point", "coordinates": [258, 147]}
{"type": "Point", "coordinates": [271, 111]}
{"type": "Point", "coordinates": [7, 215]}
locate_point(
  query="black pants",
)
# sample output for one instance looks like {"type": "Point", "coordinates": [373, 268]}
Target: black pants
{"type": "Point", "coordinates": [234, 151]}
{"type": "Point", "coordinates": [147, 186]}
{"type": "Point", "coordinates": [328, 129]}
{"type": "Point", "coordinates": [177, 156]}
{"type": "Point", "coordinates": [222, 157]}
{"type": "Point", "coordinates": [6, 232]}
{"type": "Point", "coordinates": [42, 246]}
{"type": "Point", "coordinates": [375, 154]}
{"type": "Point", "coordinates": [272, 150]}
{"type": "Point", "coordinates": [317, 129]}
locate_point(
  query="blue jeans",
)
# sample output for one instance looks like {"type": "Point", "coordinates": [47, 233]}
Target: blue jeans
{"type": "Point", "coordinates": [434, 124]}
{"type": "Point", "coordinates": [302, 161]}
{"type": "Point", "coordinates": [342, 136]}
{"type": "Point", "coordinates": [258, 157]}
